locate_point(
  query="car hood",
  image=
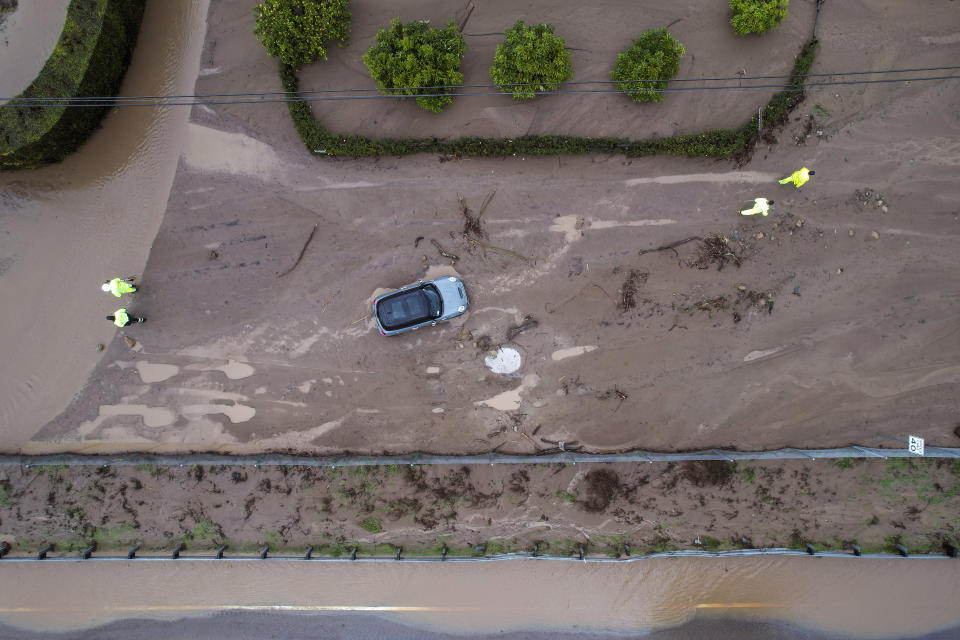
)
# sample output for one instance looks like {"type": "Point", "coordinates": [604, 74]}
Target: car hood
{"type": "Point", "coordinates": [453, 292]}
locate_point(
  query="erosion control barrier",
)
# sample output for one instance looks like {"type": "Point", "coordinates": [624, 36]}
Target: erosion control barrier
{"type": "Point", "coordinates": [566, 457]}
{"type": "Point", "coordinates": [262, 556]}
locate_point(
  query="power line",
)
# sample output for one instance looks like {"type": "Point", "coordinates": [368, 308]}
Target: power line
{"type": "Point", "coordinates": [738, 78]}
{"type": "Point", "coordinates": [310, 96]}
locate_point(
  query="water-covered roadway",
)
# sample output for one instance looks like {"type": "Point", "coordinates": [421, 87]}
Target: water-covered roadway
{"type": "Point", "coordinates": [857, 596]}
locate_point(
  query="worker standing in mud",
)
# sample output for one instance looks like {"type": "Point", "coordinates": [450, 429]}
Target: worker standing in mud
{"type": "Point", "coordinates": [760, 205]}
{"type": "Point", "coordinates": [121, 318]}
{"type": "Point", "coordinates": [798, 178]}
{"type": "Point", "coordinates": [119, 286]}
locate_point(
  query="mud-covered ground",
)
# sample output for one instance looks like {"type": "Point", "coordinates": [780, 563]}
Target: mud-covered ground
{"type": "Point", "coordinates": [475, 510]}
{"type": "Point", "coordinates": [832, 321]}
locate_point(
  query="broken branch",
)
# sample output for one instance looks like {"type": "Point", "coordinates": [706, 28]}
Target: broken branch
{"type": "Point", "coordinates": [444, 253]}
{"type": "Point", "coordinates": [302, 251]}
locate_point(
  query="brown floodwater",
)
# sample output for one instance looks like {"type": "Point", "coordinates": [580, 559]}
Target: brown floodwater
{"type": "Point", "coordinates": [66, 228]}
{"type": "Point", "coordinates": [27, 38]}
{"type": "Point", "coordinates": [866, 597]}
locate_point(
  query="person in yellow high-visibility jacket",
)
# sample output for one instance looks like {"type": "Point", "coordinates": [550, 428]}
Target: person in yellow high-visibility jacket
{"type": "Point", "coordinates": [760, 205]}
{"type": "Point", "coordinates": [798, 178]}
{"type": "Point", "coordinates": [121, 318]}
{"type": "Point", "coordinates": [118, 286]}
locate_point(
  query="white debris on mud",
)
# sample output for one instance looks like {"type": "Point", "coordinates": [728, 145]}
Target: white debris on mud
{"type": "Point", "coordinates": [506, 360]}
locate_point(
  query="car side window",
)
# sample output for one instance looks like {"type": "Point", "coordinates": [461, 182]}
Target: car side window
{"type": "Point", "coordinates": [433, 297]}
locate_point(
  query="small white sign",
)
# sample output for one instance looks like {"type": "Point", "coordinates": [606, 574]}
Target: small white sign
{"type": "Point", "coordinates": [916, 445]}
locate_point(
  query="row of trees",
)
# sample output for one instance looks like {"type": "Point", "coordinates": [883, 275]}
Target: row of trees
{"type": "Point", "coordinates": [418, 60]}
{"type": "Point", "coordinates": [421, 61]}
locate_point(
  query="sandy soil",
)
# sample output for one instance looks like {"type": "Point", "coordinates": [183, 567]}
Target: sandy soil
{"type": "Point", "coordinates": [236, 358]}
{"type": "Point", "coordinates": [650, 507]}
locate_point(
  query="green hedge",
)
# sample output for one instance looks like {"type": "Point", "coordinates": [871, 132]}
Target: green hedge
{"type": "Point", "coordinates": [90, 59]}
{"type": "Point", "coordinates": [719, 143]}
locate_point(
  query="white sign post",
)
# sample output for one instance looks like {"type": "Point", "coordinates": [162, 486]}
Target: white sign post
{"type": "Point", "coordinates": [916, 445]}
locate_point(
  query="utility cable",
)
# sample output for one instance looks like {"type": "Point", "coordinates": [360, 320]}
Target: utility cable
{"type": "Point", "coordinates": [311, 96]}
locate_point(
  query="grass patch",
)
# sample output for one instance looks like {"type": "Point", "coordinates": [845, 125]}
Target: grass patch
{"type": "Point", "coordinates": [843, 463]}
{"type": "Point", "coordinates": [205, 531]}
{"type": "Point", "coordinates": [273, 539]}
{"type": "Point", "coordinates": [154, 470]}
{"type": "Point", "coordinates": [53, 471]}
{"type": "Point", "coordinates": [107, 537]}
{"type": "Point", "coordinates": [372, 525]}
{"type": "Point", "coordinates": [718, 143]}
{"type": "Point", "coordinates": [566, 496]}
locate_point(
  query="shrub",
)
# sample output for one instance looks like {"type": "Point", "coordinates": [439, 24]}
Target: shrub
{"type": "Point", "coordinates": [757, 16]}
{"type": "Point", "coordinates": [530, 59]}
{"type": "Point", "coordinates": [415, 59]}
{"type": "Point", "coordinates": [297, 31]}
{"type": "Point", "coordinates": [647, 67]}
{"type": "Point", "coordinates": [718, 143]}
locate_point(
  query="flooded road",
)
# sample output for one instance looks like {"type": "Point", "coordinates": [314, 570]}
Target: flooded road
{"type": "Point", "coordinates": [870, 598]}
{"type": "Point", "coordinates": [27, 38]}
{"type": "Point", "coordinates": [66, 228]}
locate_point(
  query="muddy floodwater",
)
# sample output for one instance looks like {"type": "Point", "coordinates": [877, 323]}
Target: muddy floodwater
{"type": "Point", "coordinates": [27, 38]}
{"type": "Point", "coordinates": [68, 227]}
{"type": "Point", "coordinates": [870, 598]}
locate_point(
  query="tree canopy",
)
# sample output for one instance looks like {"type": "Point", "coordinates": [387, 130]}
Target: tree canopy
{"type": "Point", "coordinates": [297, 31]}
{"type": "Point", "coordinates": [647, 67]}
{"type": "Point", "coordinates": [757, 16]}
{"type": "Point", "coordinates": [530, 59]}
{"type": "Point", "coordinates": [415, 59]}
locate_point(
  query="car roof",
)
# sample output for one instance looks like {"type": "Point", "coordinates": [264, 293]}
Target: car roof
{"type": "Point", "coordinates": [406, 308]}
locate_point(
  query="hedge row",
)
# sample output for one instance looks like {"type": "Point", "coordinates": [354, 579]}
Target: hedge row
{"type": "Point", "coordinates": [719, 143]}
{"type": "Point", "coordinates": [90, 58]}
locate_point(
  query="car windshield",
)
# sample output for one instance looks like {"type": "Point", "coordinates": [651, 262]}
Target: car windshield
{"type": "Point", "coordinates": [410, 307]}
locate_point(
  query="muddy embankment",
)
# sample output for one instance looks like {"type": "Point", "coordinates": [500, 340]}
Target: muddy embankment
{"type": "Point", "coordinates": [485, 510]}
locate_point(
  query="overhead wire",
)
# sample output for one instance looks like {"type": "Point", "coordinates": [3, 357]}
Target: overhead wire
{"type": "Point", "coordinates": [319, 95]}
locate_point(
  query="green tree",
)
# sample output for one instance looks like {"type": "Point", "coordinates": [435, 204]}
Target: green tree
{"type": "Point", "coordinates": [530, 59]}
{"type": "Point", "coordinates": [415, 59]}
{"type": "Point", "coordinates": [297, 31]}
{"type": "Point", "coordinates": [757, 16]}
{"type": "Point", "coordinates": [648, 66]}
